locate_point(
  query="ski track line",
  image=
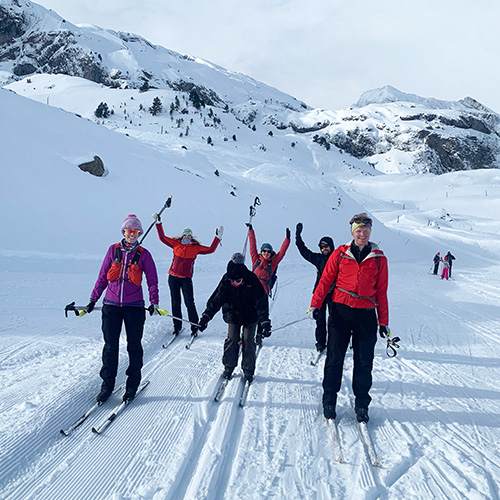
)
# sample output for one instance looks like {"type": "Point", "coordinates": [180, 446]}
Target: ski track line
{"type": "Point", "coordinates": [269, 440]}
{"type": "Point", "coordinates": [367, 476]}
{"type": "Point", "coordinates": [204, 461]}
{"type": "Point", "coordinates": [48, 477]}
{"type": "Point", "coordinates": [427, 448]}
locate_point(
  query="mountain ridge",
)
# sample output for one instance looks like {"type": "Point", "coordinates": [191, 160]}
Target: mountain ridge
{"type": "Point", "coordinates": [391, 130]}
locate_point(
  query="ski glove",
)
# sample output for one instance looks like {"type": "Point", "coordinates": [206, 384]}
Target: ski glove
{"type": "Point", "coordinates": [90, 306]}
{"type": "Point", "coordinates": [384, 331]}
{"type": "Point", "coordinates": [157, 218]}
{"type": "Point", "coordinates": [313, 313]}
{"type": "Point", "coordinates": [219, 231]}
{"type": "Point", "coordinates": [247, 224]}
{"type": "Point", "coordinates": [288, 233]}
{"type": "Point", "coordinates": [266, 328]}
{"type": "Point", "coordinates": [298, 229]}
{"type": "Point", "coordinates": [203, 323]}
{"type": "Point", "coordinates": [153, 309]}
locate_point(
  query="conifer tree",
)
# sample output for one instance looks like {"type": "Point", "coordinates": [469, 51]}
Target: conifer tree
{"type": "Point", "coordinates": [102, 111]}
{"type": "Point", "coordinates": [157, 107]}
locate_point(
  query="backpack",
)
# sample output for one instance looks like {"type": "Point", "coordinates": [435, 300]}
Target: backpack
{"type": "Point", "coordinates": [271, 277]}
{"type": "Point", "coordinates": [134, 274]}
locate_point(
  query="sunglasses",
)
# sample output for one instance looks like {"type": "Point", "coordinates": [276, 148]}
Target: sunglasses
{"type": "Point", "coordinates": [361, 221]}
{"type": "Point", "coordinates": [238, 281]}
{"type": "Point", "coordinates": [132, 231]}
{"type": "Point", "coordinates": [266, 250]}
{"type": "Point", "coordinates": [324, 246]}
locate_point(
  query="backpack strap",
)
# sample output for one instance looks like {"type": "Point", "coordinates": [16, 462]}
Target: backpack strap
{"type": "Point", "coordinates": [268, 280]}
{"type": "Point", "coordinates": [118, 253]}
{"type": "Point", "coordinates": [137, 256]}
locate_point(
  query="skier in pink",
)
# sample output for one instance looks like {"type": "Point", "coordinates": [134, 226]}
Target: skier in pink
{"type": "Point", "coordinates": [446, 267]}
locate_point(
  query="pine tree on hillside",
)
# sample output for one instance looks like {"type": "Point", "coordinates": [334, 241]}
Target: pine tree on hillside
{"type": "Point", "coordinates": [102, 111]}
{"type": "Point", "coordinates": [157, 107]}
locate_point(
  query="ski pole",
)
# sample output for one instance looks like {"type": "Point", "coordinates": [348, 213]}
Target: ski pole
{"type": "Point", "coordinates": [253, 211]}
{"type": "Point", "coordinates": [163, 312]}
{"type": "Point", "coordinates": [78, 310]}
{"type": "Point", "coordinates": [82, 310]}
{"type": "Point", "coordinates": [166, 205]}
{"type": "Point", "coordinates": [288, 324]}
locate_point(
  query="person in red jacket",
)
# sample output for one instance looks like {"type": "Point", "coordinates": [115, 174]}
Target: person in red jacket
{"type": "Point", "coordinates": [264, 265]}
{"type": "Point", "coordinates": [358, 273]}
{"type": "Point", "coordinates": [186, 248]}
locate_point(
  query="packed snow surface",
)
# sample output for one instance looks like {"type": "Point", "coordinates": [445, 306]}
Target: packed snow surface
{"type": "Point", "coordinates": [434, 416]}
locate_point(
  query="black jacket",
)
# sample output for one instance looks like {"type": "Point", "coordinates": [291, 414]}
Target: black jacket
{"type": "Point", "coordinates": [317, 259]}
{"type": "Point", "coordinates": [242, 305]}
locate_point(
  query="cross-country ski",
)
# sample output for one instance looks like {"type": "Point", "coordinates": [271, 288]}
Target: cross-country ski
{"type": "Point", "coordinates": [221, 387]}
{"type": "Point", "coordinates": [86, 415]}
{"type": "Point", "coordinates": [335, 437]}
{"type": "Point", "coordinates": [244, 392]}
{"type": "Point", "coordinates": [172, 339]}
{"type": "Point", "coordinates": [368, 443]}
{"type": "Point", "coordinates": [118, 409]}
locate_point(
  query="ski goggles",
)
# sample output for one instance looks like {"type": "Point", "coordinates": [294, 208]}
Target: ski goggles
{"type": "Point", "coordinates": [132, 231]}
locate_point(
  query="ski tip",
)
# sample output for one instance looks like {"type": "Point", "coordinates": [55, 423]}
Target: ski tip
{"type": "Point", "coordinates": [94, 430]}
{"type": "Point", "coordinates": [63, 432]}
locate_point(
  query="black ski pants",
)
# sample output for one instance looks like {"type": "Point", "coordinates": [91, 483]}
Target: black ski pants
{"type": "Point", "coordinates": [232, 347]}
{"type": "Point", "coordinates": [185, 285]}
{"type": "Point", "coordinates": [322, 322]}
{"type": "Point", "coordinates": [361, 324]}
{"type": "Point", "coordinates": [112, 319]}
{"type": "Point", "coordinates": [436, 267]}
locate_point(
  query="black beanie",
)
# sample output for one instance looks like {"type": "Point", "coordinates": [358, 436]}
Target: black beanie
{"type": "Point", "coordinates": [326, 240]}
{"type": "Point", "coordinates": [236, 267]}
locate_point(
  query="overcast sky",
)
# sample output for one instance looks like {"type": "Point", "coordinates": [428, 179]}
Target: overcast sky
{"type": "Point", "coordinates": [324, 52]}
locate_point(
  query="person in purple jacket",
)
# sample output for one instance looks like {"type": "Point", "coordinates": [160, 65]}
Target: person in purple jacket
{"type": "Point", "coordinates": [121, 276]}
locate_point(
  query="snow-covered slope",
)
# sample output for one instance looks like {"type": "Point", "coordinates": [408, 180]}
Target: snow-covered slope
{"type": "Point", "coordinates": [434, 412]}
{"type": "Point", "coordinates": [392, 130]}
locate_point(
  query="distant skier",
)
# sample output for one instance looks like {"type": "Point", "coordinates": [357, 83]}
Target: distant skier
{"type": "Point", "coordinates": [121, 276]}
{"type": "Point", "coordinates": [358, 270]}
{"type": "Point", "coordinates": [436, 260]}
{"type": "Point", "coordinates": [264, 264]}
{"type": "Point", "coordinates": [450, 258]}
{"type": "Point", "coordinates": [244, 304]}
{"type": "Point", "coordinates": [446, 267]}
{"type": "Point", "coordinates": [186, 248]}
{"type": "Point", "coordinates": [319, 260]}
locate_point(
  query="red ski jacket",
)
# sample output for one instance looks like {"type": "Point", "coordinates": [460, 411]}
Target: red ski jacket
{"type": "Point", "coordinates": [262, 270]}
{"type": "Point", "coordinates": [362, 286]}
{"type": "Point", "coordinates": [184, 255]}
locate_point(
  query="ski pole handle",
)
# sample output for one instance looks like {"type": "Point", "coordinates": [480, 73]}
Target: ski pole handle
{"type": "Point", "coordinates": [167, 204]}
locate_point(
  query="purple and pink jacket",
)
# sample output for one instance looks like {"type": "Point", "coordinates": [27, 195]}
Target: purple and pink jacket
{"type": "Point", "coordinates": [123, 292]}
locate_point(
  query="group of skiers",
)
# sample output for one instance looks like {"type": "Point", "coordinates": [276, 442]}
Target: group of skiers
{"type": "Point", "coordinates": [349, 301]}
{"type": "Point", "coordinates": [447, 261]}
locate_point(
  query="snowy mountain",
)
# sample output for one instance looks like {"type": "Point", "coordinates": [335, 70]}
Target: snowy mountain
{"type": "Point", "coordinates": [434, 414]}
{"type": "Point", "coordinates": [399, 132]}
{"type": "Point", "coordinates": [389, 129]}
